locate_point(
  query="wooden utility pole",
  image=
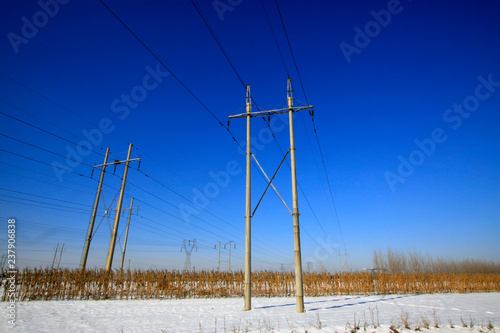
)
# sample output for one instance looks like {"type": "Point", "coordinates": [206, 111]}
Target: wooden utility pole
{"type": "Point", "coordinates": [112, 243]}
{"type": "Point", "coordinates": [126, 233]}
{"type": "Point", "coordinates": [94, 213]}
{"type": "Point", "coordinates": [295, 213]}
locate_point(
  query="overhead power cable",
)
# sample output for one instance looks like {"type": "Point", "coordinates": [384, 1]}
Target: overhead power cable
{"type": "Point", "coordinates": [195, 4]}
{"type": "Point", "coordinates": [275, 39]}
{"type": "Point", "coordinates": [314, 125]}
{"type": "Point", "coordinates": [42, 130]}
{"type": "Point", "coordinates": [291, 51]}
{"type": "Point", "coordinates": [45, 197]}
{"type": "Point", "coordinates": [164, 65]}
{"type": "Point", "coordinates": [43, 149]}
{"type": "Point", "coordinates": [38, 161]}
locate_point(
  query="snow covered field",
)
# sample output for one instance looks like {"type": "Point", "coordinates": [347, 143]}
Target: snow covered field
{"type": "Point", "coordinates": [324, 314]}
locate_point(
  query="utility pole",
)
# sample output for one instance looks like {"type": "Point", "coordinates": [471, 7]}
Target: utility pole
{"type": "Point", "coordinates": [60, 255]}
{"type": "Point", "coordinates": [296, 230]}
{"type": "Point", "coordinates": [229, 262]}
{"type": "Point", "coordinates": [218, 262]}
{"type": "Point", "coordinates": [112, 243]}
{"type": "Point", "coordinates": [248, 209]}
{"type": "Point", "coordinates": [94, 213]}
{"type": "Point", "coordinates": [295, 213]}
{"type": "Point", "coordinates": [55, 254]}
{"type": "Point", "coordinates": [126, 233]}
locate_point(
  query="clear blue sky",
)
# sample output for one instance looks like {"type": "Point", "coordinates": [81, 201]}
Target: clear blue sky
{"type": "Point", "coordinates": [407, 110]}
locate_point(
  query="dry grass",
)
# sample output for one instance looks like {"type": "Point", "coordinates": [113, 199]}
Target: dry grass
{"type": "Point", "coordinates": [64, 284]}
{"type": "Point", "coordinates": [414, 262]}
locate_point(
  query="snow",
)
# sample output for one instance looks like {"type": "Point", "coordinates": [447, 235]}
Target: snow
{"type": "Point", "coordinates": [267, 314]}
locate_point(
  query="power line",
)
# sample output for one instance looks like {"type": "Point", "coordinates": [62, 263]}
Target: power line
{"type": "Point", "coordinates": [38, 161]}
{"type": "Point", "coordinates": [45, 197]}
{"type": "Point", "coordinates": [195, 4]}
{"type": "Point", "coordinates": [46, 150]}
{"type": "Point", "coordinates": [41, 129]}
{"type": "Point", "coordinates": [274, 37]}
{"type": "Point", "coordinates": [291, 51]}
{"type": "Point", "coordinates": [41, 202]}
{"type": "Point", "coordinates": [165, 66]}
{"type": "Point", "coordinates": [314, 125]}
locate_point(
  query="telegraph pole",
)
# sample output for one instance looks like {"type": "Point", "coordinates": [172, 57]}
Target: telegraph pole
{"type": "Point", "coordinates": [218, 262]}
{"type": "Point", "coordinates": [296, 230]}
{"type": "Point", "coordinates": [248, 210]}
{"type": "Point", "coordinates": [295, 213]}
{"type": "Point", "coordinates": [94, 213]}
{"type": "Point", "coordinates": [229, 262]}
{"type": "Point", "coordinates": [126, 233]}
{"type": "Point", "coordinates": [55, 254]}
{"type": "Point", "coordinates": [60, 255]}
{"type": "Point", "coordinates": [112, 243]}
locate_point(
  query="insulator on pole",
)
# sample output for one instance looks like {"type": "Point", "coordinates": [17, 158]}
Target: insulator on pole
{"type": "Point", "coordinates": [139, 166]}
{"type": "Point", "coordinates": [92, 173]}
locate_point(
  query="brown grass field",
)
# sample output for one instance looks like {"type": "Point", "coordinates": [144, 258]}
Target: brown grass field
{"type": "Point", "coordinates": [96, 284]}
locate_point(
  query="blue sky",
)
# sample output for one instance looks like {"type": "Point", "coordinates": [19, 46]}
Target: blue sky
{"type": "Point", "coordinates": [407, 110]}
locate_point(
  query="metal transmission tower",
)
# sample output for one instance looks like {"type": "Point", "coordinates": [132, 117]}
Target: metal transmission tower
{"type": "Point", "coordinates": [188, 246]}
{"type": "Point", "coordinates": [295, 213]}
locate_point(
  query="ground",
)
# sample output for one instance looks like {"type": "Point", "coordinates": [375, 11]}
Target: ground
{"type": "Point", "coordinates": [323, 314]}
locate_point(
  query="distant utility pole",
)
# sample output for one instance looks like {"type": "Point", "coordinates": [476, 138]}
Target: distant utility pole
{"type": "Point", "coordinates": [126, 233]}
{"type": "Point", "coordinates": [55, 254]}
{"type": "Point", "coordinates": [112, 243]}
{"type": "Point", "coordinates": [94, 213]}
{"type": "Point", "coordinates": [188, 246]}
{"type": "Point", "coordinates": [229, 262]}
{"type": "Point", "coordinates": [249, 214]}
{"type": "Point", "coordinates": [60, 255]}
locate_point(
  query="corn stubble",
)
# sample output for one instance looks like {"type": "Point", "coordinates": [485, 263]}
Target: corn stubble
{"type": "Point", "coordinates": [96, 284]}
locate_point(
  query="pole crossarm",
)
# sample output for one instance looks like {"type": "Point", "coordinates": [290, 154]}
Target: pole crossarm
{"type": "Point", "coordinates": [118, 162]}
{"type": "Point", "coordinates": [271, 112]}
{"type": "Point", "coordinates": [270, 183]}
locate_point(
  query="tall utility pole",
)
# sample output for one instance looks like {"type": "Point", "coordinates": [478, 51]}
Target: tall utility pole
{"type": "Point", "coordinates": [296, 230]}
{"type": "Point", "coordinates": [94, 213]}
{"type": "Point", "coordinates": [112, 243]}
{"type": "Point", "coordinates": [248, 210]}
{"type": "Point", "coordinates": [295, 213]}
{"type": "Point", "coordinates": [126, 233]}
